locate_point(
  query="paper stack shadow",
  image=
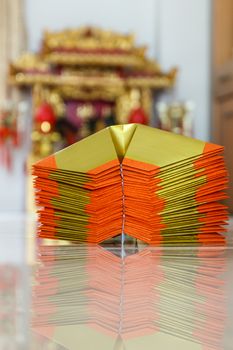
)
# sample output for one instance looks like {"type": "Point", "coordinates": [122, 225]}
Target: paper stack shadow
{"type": "Point", "coordinates": [155, 186]}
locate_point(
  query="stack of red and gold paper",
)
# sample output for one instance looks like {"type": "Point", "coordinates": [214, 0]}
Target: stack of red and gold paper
{"type": "Point", "coordinates": [150, 184]}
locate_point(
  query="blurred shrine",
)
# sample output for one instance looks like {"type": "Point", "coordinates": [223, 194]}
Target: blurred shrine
{"type": "Point", "coordinates": [83, 80]}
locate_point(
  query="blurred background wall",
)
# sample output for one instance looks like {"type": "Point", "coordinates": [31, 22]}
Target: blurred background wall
{"type": "Point", "coordinates": [177, 32]}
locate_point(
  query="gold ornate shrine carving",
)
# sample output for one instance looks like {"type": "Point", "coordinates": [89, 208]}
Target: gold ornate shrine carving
{"type": "Point", "coordinates": [86, 79]}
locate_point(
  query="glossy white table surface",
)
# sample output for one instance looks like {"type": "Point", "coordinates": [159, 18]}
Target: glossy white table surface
{"type": "Point", "coordinates": [105, 298]}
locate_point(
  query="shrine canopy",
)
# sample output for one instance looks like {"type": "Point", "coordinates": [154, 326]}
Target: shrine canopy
{"type": "Point", "coordinates": [90, 56]}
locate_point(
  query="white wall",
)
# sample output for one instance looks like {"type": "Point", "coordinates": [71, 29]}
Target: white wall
{"type": "Point", "coordinates": [135, 16]}
{"type": "Point", "coordinates": [185, 39]}
{"type": "Point", "coordinates": [12, 185]}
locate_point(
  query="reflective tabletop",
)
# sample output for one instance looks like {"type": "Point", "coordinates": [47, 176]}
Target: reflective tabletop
{"type": "Point", "coordinates": [56, 295]}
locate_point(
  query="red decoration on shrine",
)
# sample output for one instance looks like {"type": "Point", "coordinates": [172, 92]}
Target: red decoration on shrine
{"type": "Point", "coordinates": [138, 116]}
{"type": "Point", "coordinates": [45, 113]}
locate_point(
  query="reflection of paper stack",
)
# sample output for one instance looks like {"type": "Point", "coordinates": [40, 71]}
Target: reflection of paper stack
{"type": "Point", "coordinates": [192, 296]}
{"type": "Point", "coordinates": [150, 184]}
{"type": "Point", "coordinates": [146, 298]}
{"type": "Point", "coordinates": [75, 290]}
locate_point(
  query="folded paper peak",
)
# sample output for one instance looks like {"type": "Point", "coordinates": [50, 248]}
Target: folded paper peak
{"type": "Point", "coordinates": [133, 142]}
